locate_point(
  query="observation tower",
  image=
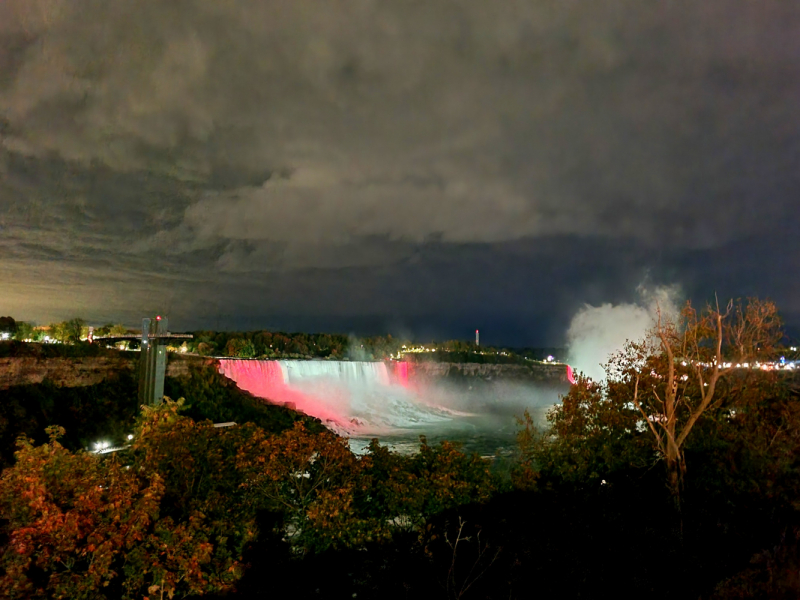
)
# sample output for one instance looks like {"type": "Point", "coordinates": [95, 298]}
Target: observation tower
{"type": "Point", "coordinates": [153, 367]}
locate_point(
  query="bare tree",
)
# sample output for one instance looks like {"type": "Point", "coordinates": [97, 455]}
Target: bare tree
{"type": "Point", "coordinates": [476, 565]}
{"type": "Point", "coordinates": [695, 353]}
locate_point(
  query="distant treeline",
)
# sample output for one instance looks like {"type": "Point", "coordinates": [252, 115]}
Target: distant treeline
{"type": "Point", "coordinates": [39, 350]}
{"type": "Point", "coordinates": [276, 344]}
{"type": "Point", "coordinates": [282, 345]}
{"type": "Point", "coordinates": [66, 332]}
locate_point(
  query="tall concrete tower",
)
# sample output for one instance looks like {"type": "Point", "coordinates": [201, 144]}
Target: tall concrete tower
{"type": "Point", "coordinates": [477, 338]}
{"type": "Point", "coordinates": [153, 365]}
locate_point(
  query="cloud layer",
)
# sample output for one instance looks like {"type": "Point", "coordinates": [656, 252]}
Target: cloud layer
{"type": "Point", "coordinates": [357, 142]}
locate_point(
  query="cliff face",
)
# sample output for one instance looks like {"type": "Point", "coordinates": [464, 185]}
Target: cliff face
{"type": "Point", "coordinates": [63, 372]}
{"type": "Point", "coordinates": [76, 372]}
{"type": "Point", "coordinates": [421, 371]}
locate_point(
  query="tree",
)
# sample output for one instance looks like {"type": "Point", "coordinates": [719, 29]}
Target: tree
{"type": "Point", "coordinates": [118, 329]}
{"type": "Point", "coordinates": [8, 325]}
{"type": "Point", "coordinates": [330, 498]}
{"type": "Point", "coordinates": [677, 376]}
{"type": "Point", "coordinates": [594, 433]}
{"type": "Point", "coordinates": [410, 490]}
{"type": "Point", "coordinates": [173, 521]}
{"type": "Point", "coordinates": [240, 348]}
{"type": "Point", "coordinates": [24, 331]}
{"type": "Point", "coordinates": [203, 493]}
{"type": "Point", "coordinates": [313, 480]}
{"type": "Point", "coordinates": [70, 519]}
{"type": "Point", "coordinates": [73, 329]}
{"type": "Point", "coordinates": [56, 331]}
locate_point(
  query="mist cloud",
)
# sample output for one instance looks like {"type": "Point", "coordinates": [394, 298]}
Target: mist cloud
{"type": "Point", "coordinates": [597, 332]}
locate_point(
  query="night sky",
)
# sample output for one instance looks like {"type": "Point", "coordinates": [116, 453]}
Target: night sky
{"type": "Point", "coordinates": [415, 167]}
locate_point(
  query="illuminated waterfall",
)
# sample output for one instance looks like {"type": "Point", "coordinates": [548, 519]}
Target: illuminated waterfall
{"type": "Point", "coordinates": [353, 398]}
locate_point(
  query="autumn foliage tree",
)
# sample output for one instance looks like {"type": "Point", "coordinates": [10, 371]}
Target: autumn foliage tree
{"type": "Point", "coordinates": [690, 367]}
{"type": "Point", "coordinates": [202, 489]}
{"type": "Point", "coordinates": [168, 522]}
{"type": "Point", "coordinates": [76, 524]}
{"type": "Point", "coordinates": [312, 480]}
{"type": "Point", "coordinates": [410, 490]}
{"type": "Point", "coordinates": [330, 498]}
{"type": "Point", "coordinates": [175, 513]}
{"type": "Point", "coordinates": [693, 370]}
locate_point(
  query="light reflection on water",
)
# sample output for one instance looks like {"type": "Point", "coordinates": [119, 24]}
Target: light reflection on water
{"type": "Point", "coordinates": [487, 435]}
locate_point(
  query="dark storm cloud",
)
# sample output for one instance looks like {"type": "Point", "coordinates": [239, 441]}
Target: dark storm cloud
{"type": "Point", "coordinates": [380, 154]}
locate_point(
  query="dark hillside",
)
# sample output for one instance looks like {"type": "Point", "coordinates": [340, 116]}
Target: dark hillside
{"type": "Point", "coordinates": [106, 409]}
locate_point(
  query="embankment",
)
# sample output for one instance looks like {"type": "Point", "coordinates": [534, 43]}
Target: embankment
{"type": "Point", "coordinates": [81, 371]}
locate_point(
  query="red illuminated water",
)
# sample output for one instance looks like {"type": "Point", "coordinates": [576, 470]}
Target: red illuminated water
{"type": "Point", "coordinates": [265, 379]}
{"type": "Point", "coordinates": [351, 397]}
{"type": "Point", "coordinates": [384, 399]}
{"type": "Point", "coordinates": [400, 372]}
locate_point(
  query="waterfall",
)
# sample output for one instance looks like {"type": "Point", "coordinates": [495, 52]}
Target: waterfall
{"type": "Point", "coordinates": [297, 371]}
{"type": "Point", "coordinates": [353, 398]}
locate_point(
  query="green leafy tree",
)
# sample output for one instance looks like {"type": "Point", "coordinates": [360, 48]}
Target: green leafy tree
{"type": "Point", "coordinates": [593, 433]}
{"type": "Point", "coordinates": [73, 329]}
{"type": "Point", "coordinates": [55, 331]}
{"type": "Point", "coordinates": [240, 348]}
{"type": "Point", "coordinates": [118, 329]}
{"type": "Point", "coordinates": [25, 331]}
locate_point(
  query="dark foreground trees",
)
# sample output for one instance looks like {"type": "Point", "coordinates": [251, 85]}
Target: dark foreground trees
{"type": "Point", "coordinates": [693, 413]}
{"type": "Point", "coordinates": [176, 513]}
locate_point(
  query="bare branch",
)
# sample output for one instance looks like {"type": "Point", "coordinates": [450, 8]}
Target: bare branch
{"type": "Point", "coordinates": [646, 418]}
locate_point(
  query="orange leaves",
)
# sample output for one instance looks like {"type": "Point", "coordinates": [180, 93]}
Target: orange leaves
{"type": "Point", "coordinates": [166, 520]}
{"type": "Point", "coordinates": [64, 516]}
{"type": "Point", "coordinates": [177, 518]}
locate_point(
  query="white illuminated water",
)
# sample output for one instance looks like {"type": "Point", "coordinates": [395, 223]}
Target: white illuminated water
{"type": "Point", "coordinates": [364, 400]}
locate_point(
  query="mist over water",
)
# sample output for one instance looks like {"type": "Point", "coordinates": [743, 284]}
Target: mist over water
{"type": "Point", "coordinates": [596, 332]}
{"type": "Point", "coordinates": [364, 400]}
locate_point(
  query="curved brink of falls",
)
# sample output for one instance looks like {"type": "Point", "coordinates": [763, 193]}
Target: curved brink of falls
{"type": "Point", "coordinates": [352, 398]}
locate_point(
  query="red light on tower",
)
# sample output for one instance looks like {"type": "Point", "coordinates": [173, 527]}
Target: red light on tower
{"type": "Point", "coordinates": [158, 318]}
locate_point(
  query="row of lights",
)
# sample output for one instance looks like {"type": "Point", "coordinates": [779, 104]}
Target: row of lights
{"type": "Point", "coordinates": [105, 446]}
